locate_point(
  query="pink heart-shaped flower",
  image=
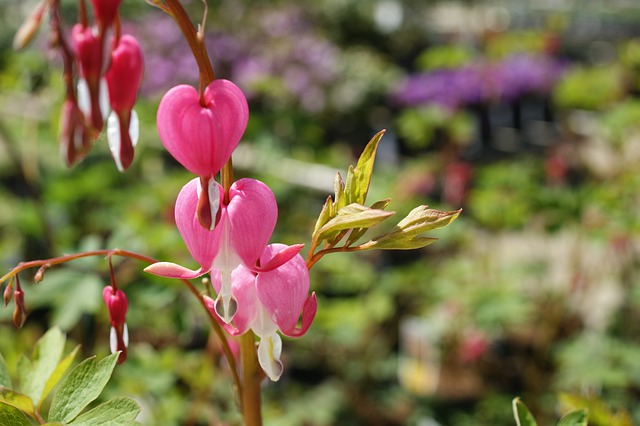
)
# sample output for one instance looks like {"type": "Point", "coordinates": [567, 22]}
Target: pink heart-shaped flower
{"type": "Point", "coordinates": [202, 138]}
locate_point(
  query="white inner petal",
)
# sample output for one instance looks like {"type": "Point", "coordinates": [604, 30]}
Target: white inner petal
{"type": "Point", "coordinates": [214, 201]}
{"type": "Point", "coordinates": [113, 340]}
{"type": "Point", "coordinates": [103, 98]}
{"type": "Point", "coordinates": [84, 101]}
{"type": "Point", "coordinates": [134, 128]}
{"type": "Point", "coordinates": [113, 138]}
{"type": "Point", "coordinates": [269, 351]}
{"type": "Point", "coordinates": [125, 336]}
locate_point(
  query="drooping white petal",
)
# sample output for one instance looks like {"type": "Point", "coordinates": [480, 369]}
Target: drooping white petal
{"type": "Point", "coordinates": [113, 138]}
{"type": "Point", "coordinates": [125, 336]}
{"type": "Point", "coordinates": [134, 128]}
{"type": "Point", "coordinates": [263, 325]}
{"type": "Point", "coordinates": [269, 351]}
{"type": "Point", "coordinates": [84, 100]}
{"type": "Point", "coordinates": [226, 261]}
{"type": "Point", "coordinates": [103, 98]}
{"type": "Point", "coordinates": [113, 340]}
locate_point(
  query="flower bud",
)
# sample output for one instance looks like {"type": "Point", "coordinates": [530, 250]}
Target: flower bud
{"type": "Point", "coordinates": [29, 28]}
{"type": "Point", "coordinates": [74, 135]}
{"type": "Point", "coordinates": [89, 48]}
{"type": "Point", "coordinates": [19, 312]}
{"type": "Point", "coordinates": [8, 292]}
{"type": "Point", "coordinates": [117, 305]}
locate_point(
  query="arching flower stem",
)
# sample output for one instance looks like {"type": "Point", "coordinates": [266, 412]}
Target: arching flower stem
{"type": "Point", "coordinates": [45, 264]}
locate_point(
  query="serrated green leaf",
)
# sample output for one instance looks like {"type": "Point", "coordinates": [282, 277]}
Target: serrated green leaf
{"type": "Point", "coordinates": [522, 414]}
{"type": "Point", "coordinates": [325, 214]}
{"type": "Point", "coordinates": [358, 186]}
{"type": "Point", "coordinates": [46, 355]}
{"type": "Point", "coordinates": [58, 373]}
{"type": "Point", "coordinates": [352, 216]}
{"type": "Point", "coordinates": [116, 412]}
{"type": "Point", "coordinates": [406, 234]}
{"type": "Point", "coordinates": [18, 400]}
{"type": "Point", "coordinates": [83, 385]}
{"type": "Point", "coordinates": [10, 415]}
{"type": "Point", "coordinates": [5, 378]}
{"type": "Point", "coordinates": [575, 418]}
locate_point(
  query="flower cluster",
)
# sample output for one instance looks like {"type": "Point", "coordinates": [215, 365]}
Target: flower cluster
{"type": "Point", "coordinates": [108, 67]}
{"type": "Point", "coordinates": [514, 76]}
{"type": "Point", "coordinates": [259, 286]}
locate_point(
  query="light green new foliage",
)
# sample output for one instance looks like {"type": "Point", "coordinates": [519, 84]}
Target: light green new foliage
{"type": "Point", "coordinates": [524, 417]}
{"type": "Point", "coordinates": [75, 390]}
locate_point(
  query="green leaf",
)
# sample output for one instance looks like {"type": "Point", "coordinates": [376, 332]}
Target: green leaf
{"type": "Point", "coordinates": [10, 415]}
{"type": "Point", "coordinates": [405, 235]}
{"type": "Point", "coordinates": [325, 214]}
{"type": "Point", "coordinates": [522, 414]}
{"type": "Point", "coordinates": [5, 378]}
{"type": "Point", "coordinates": [359, 232]}
{"type": "Point", "coordinates": [353, 216]}
{"type": "Point", "coordinates": [338, 187]}
{"type": "Point", "coordinates": [58, 373]}
{"type": "Point", "coordinates": [83, 385]}
{"type": "Point", "coordinates": [116, 411]}
{"type": "Point", "coordinates": [46, 355]}
{"type": "Point", "coordinates": [18, 400]}
{"type": "Point", "coordinates": [575, 418]}
{"type": "Point", "coordinates": [359, 178]}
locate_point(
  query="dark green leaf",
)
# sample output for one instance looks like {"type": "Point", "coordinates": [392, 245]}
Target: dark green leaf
{"type": "Point", "coordinates": [18, 400]}
{"type": "Point", "coordinates": [116, 411]}
{"type": "Point", "coordinates": [83, 385]}
{"type": "Point", "coordinates": [10, 415]}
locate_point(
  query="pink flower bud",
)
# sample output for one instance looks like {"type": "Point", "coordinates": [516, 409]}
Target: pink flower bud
{"type": "Point", "coordinates": [125, 73]}
{"type": "Point", "coordinates": [8, 293]}
{"type": "Point", "coordinates": [105, 11]}
{"type": "Point", "coordinates": [202, 137]}
{"type": "Point", "coordinates": [117, 305]}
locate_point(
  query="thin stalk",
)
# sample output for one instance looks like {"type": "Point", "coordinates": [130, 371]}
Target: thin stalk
{"type": "Point", "coordinates": [45, 264]}
{"type": "Point", "coordinates": [251, 378]}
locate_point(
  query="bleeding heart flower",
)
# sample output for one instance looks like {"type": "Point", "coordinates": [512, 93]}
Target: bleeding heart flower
{"type": "Point", "coordinates": [270, 301]}
{"type": "Point", "coordinates": [123, 80]}
{"type": "Point", "coordinates": [203, 136]}
{"type": "Point", "coordinates": [242, 230]}
{"type": "Point", "coordinates": [117, 305]}
{"type": "Point", "coordinates": [92, 91]}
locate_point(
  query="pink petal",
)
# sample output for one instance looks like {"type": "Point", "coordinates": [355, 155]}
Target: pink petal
{"type": "Point", "coordinates": [308, 314]}
{"type": "Point", "coordinates": [280, 258]}
{"type": "Point", "coordinates": [283, 291]}
{"type": "Point", "coordinates": [202, 244]}
{"type": "Point", "coordinates": [202, 138]}
{"type": "Point", "coordinates": [252, 213]}
{"type": "Point", "coordinates": [125, 73]}
{"type": "Point", "coordinates": [172, 270]}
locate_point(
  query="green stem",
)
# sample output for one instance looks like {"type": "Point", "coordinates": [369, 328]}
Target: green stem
{"type": "Point", "coordinates": [251, 378]}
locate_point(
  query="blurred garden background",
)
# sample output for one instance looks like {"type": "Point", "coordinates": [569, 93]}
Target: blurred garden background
{"type": "Point", "coordinates": [526, 114]}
